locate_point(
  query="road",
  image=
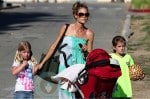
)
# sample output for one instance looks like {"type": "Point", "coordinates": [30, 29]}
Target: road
{"type": "Point", "coordinates": [39, 24]}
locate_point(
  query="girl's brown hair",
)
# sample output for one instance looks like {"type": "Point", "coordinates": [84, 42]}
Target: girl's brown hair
{"type": "Point", "coordinates": [117, 39]}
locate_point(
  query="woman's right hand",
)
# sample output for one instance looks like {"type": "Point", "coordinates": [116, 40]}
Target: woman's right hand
{"type": "Point", "coordinates": [64, 80]}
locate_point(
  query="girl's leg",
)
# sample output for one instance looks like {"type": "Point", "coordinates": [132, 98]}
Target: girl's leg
{"type": "Point", "coordinates": [29, 95]}
{"type": "Point", "coordinates": [20, 95]}
{"type": "Point", "coordinates": [23, 95]}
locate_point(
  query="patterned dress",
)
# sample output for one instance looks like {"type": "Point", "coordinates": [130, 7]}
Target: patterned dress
{"type": "Point", "coordinates": [24, 79]}
{"type": "Point", "coordinates": [123, 86]}
{"type": "Point", "coordinates": [70, 54]}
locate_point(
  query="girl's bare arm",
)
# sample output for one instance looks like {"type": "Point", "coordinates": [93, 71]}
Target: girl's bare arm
{"type": "Point", "coordinates": [16, 69]}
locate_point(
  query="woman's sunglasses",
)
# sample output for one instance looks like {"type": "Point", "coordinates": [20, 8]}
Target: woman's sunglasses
{"type": "Point", "coordinates": [83, 14]}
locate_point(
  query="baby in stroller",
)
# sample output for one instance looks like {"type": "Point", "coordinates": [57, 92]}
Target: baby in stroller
{"type": "Point", "coordinates": [93, 80]}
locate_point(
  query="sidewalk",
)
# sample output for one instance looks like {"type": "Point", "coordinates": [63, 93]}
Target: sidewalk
{"type": "Point", "coordinates": [10, 6]}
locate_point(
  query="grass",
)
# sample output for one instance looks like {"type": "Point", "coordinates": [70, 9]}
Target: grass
{"type": "Point", "coordinates": [146, 28]}
{"type": "Point", "coordinates": [142, 42]}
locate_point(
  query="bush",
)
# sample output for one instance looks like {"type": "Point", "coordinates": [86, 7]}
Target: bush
{"type": "Point", "coordinates": [140, 4]}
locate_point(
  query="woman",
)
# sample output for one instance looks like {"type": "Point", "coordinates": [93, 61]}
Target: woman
{"type": "Point", "coordinates": [78, 39]}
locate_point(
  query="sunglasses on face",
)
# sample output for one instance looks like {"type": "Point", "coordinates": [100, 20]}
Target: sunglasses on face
{"type": "Point", "coordinates": [83, 14]}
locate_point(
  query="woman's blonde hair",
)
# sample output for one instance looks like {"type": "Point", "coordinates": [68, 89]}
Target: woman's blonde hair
{"type": "Point", "coordinates": [77, 5]}
{"type": "Point", "coordinates": [24, 45]}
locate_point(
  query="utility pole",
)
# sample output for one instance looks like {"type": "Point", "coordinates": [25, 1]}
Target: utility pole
{"type": "Point", "coordinates": [55, 1]}
{"type": "Point", "coordinates": [1, 3]}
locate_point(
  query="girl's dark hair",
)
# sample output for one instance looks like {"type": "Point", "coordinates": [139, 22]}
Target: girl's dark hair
{"type": "Point", "coordinates": [117, 39]}
{"type": "Point", "coordinates": [77, 5]}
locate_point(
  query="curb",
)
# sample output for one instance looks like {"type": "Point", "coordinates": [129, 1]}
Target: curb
{"type": "Point", "coordinates": [139, 10]}
{"type": "Point", "coordinates": [3, 8]}
{"type": "Point", "coordinates": [126, 31]}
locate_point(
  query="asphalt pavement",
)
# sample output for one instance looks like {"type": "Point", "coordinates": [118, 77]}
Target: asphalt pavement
{"type": "Point", "coordinates": [39, 24]}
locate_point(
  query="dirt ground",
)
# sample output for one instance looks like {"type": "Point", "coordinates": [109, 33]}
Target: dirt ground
{"type": "Point", "coordinates": [141, 89]}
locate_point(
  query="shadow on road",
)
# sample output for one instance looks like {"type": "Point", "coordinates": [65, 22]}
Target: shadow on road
{"type": "Point", "coordinates": [19, 20]}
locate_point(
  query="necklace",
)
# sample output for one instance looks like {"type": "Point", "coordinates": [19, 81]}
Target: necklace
{"type": "Point", "coordinates": [79, 31]}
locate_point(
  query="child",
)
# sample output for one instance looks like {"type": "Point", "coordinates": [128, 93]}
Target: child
{"type": "Point", "coordinates": [123, 86]}
{"type": "Point", "coordinates": [24, 68]}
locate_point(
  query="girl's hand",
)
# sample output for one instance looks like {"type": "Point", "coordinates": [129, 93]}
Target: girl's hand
{"type": "Point", "coordinates": [16, 69]}
{"type": "Point", "coordinates": [25, 63]}
{"type": "Point", "coordinates": [39, 66]}
{"type": "Point", "coordinates": [35, 69]}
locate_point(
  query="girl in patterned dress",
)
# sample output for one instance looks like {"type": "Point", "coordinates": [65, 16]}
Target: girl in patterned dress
{"type": "Point", "coordinates": [23, 67]}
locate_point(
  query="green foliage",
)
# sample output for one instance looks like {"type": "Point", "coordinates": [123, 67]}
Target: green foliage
{"type": "Point", "coordinates": [137, 17]}
{"type": "Point", "coordinates": [140, 4]}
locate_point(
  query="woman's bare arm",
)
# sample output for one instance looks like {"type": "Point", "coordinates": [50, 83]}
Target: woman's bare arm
{"type": "Point", "coordinates": [53, 46]}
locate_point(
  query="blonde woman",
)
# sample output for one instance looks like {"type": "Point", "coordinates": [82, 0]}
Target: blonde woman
{"type": "Point", "coordinates": [77, 40]}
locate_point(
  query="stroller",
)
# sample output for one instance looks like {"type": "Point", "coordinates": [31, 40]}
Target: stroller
{"type": "Point", "coordinates": [93, 80]}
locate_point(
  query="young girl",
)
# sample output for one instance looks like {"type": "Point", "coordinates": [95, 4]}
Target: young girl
{"type": "Point", "coordinates": [123, 87]}
{"type": "Point", "coordinates": [23, 68]}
